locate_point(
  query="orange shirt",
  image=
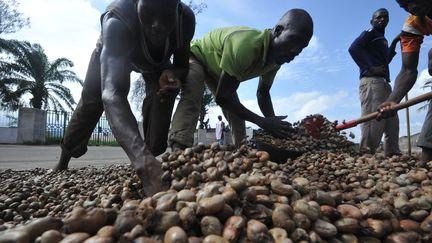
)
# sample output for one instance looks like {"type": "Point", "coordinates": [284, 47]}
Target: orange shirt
{"type": "Point", "coordinates": [418, 27]}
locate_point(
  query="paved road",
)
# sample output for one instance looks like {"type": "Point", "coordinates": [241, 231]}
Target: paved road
{"type": "Point", "coordinates": [24, 157]}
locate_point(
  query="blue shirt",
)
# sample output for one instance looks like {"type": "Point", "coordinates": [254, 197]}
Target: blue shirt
{"type": "Point", "coordinates": [371, 49]}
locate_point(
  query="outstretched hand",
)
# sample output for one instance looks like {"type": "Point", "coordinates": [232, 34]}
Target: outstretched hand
{"type": "Point", "coordinates": [168, 83]}
{"type": "Point", "coordinates": [276, 126]}
{"type": "Point", "coordinates": [386, 110]}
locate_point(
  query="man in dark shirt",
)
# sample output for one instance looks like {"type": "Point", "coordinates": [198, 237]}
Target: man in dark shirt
{"type": "Point", "coordinates": [141, 36]}
{"type": "Point", "coordinates": [371, 53]}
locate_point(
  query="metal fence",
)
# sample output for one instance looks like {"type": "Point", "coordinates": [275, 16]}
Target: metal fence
{"type": "Point", "coordinates": [8, 118]}
{"type": "Point", "coordinates": [57, 122]}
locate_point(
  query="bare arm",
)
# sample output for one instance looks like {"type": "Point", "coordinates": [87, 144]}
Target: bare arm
{"type": "Point", "coordinates": [392, 47]}
{"type": "Point", "coordinates": [264, 98]}
{"type": "Point", "coordinates": [406, 77]}
{"type": "Point", "coordinates": [180, 67]}
{"type": "Point", "coordinates": [181, 55]}
{"type": "Point", "coordinates": [115, 71]}
{"type": "Point", "coordinates": [227, 98]}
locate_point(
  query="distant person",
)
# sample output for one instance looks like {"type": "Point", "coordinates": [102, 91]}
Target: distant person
{"type": "Point", "coordinates": [223, 59]}
{"type": "Point", "coordinates": [371, 53]}
{"type": "Point", "coordinates": [220, 131]}
{"type": "Point", "coordinates": [141, 36]}
{"type": "Point", "coordinates": [416, 26]}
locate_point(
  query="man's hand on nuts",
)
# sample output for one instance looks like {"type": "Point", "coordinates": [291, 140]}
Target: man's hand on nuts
{"type": "Point", "coordinates": [168, 83]}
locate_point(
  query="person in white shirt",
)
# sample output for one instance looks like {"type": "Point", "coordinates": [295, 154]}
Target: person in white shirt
{"type": "Point", "coordinates": [220, 131]}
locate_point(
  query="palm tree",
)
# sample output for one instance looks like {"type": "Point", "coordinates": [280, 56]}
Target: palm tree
{"type": "Point", "coordinates": [27, 70]}
{"type": "Point", "coordinates": [207, 101]}
{"type": "Point", "coordinates": [9, 99]}
{"type": "Point", "coordinates": [138, 93]}
{"type": "Point", "coordinates": [426, 85]}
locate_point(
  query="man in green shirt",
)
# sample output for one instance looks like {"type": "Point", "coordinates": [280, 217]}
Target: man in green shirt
{"type": "Point", "coordinates": [225, 57]}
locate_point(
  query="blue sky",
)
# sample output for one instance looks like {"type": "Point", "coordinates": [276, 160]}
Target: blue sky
{"type": "Point", "coordinates": [322, 79]}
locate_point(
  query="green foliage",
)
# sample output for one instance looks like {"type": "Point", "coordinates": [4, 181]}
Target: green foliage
{"type": "Point", "coordinates": [137, 93]}
{"type": "Point", "coordinates": [206, 102]}
{"type": "Point", "coordinates": [52, 139]}
{"type": "Point", "coordinates": [27, 70]}
{"type": "Point", "coordinates": [94, 142]}
{"type": "Point", "coordinates": [197, 8]}
{"type": "Point", "coordinates": [427, 85]}
{"type": "Point", "coordinates": [13, 121]}
{"type": "Point", "coordinates": [11, 20]}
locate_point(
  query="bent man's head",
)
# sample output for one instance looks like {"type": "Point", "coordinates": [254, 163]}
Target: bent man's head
{"type": "Point", "coordinates": [158, 19]}
{"type": "Point", "coordinates": [291, 34]}
{"type": "Point", "coordinates": [416, 7]}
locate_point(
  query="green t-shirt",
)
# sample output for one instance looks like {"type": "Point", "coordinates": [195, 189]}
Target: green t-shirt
{"type": "Point", "coordinates": [239, 51]}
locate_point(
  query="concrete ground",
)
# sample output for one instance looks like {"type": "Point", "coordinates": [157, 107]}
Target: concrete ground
{"type": "Point", "coordinates": [25, 157]}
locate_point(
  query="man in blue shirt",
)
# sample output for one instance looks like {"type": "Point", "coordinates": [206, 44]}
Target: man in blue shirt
{"type": "Point", "coordinates": [371, 53]}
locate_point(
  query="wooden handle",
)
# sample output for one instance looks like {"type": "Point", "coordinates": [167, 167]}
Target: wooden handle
{"type": "Point", "coordinates": [373, 115]}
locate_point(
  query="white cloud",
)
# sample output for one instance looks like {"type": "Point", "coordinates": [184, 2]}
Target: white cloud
{"type": "Point", "coordinates": [418, 89]}
{"type": "Point", "coordinates": [290, 72]}
{"type": "Point", "coordinates": [314, 45]}
{"type": "Point", "coordinates": [297, 106]}
{"type": "Point", "coordinates": [421, 80]}
{"type": "Point", "coordinates": [64, 28]}
{"type": "Point", "coordinates": [304, 104]}
{"type": "Point", "coordinates": [313, 57]}
{"type": "Point", "coordinates": [312, 54]}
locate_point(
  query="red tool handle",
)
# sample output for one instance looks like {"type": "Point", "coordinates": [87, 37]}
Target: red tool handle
{"type": "Point", "coordinates": [371, 116]}
{"type": "Point", "coordinates": [346, 125]}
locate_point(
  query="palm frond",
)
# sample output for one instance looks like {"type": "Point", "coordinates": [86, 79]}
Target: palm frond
{"type": "Point", "coordinates": [64, 76]}
{"type": "Point", "coordinates": [26, 69]}
{"type": "Point", "coordinates": [426, 85]}
{"type": "Point", "coordinates": [137, 93]}
{"type": "Point", "coordinates": [54, 104]}
{"type": "Point", "coordinates": [62, 94]}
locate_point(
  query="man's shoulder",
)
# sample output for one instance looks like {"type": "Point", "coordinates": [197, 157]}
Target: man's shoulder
{"type": "Point", "coordinates": [187, 12]}
{"type": "Point", "coordinates": [366, 33]}
{"type": "Point", "coordinates": [117, 40]}
{"type": "Point", "coordinates": [112, 24]}
{"type": "Point", "coordinates": [188, 23]}
{"type": "Point", "coordinates": [125, 11]}
{"type": "Point", "coordinates": [418, 25]}
{"type": "Point", "coordinates": [228, 32]}
{"type": "Point", "coordinates": [246, 42]}
{"type": "Point", "coordinates": [364, 37]}
{"type": "Point", "coordinates": [241, 32]}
